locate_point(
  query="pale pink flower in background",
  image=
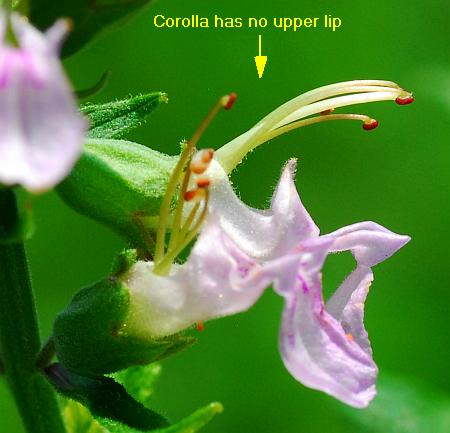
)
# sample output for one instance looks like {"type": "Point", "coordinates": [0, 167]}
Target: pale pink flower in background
{"type": "Point", "coordinates": [41, 131]}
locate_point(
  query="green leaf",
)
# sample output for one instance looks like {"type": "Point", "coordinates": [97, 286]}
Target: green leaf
{"type": "Point", "coordinates": [140, 381]}
{"type": "Point", "coordinates": [89, 17]}
{"type": "Point", "coordinates": [191, 424]}
{"type": "Point", "coordinates": [115, 119]}
{"type": "Point", "coordinates": [78, 419]}
{"type": "Point", "coordinates": [403, 406]}
{"type": "Point", "coordinates": [105, 398]}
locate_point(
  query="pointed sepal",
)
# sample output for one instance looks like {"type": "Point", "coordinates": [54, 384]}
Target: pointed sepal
{"type": "Point", "coordinates": [117, 118]}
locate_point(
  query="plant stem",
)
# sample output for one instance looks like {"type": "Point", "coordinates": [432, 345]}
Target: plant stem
{"type": "Point", "coordinates": [19, 333]}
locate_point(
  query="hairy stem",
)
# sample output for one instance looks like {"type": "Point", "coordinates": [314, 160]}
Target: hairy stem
{"type": "Point", "coordinates": [19, 333]}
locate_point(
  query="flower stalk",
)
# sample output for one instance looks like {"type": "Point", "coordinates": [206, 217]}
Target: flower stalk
{"type": "Point", "coordinates": [19, 333]}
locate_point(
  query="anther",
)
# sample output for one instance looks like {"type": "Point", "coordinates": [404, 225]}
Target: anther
{"type": "Point", "coordinates": [370, 124]}
{"type": "Point", "coordinates": [349, 337]}
{"type": "Point", "coordinates": [200, 326]}
{"type": "Point", "coordinates": [68, 22]}
{"type": "Point", "coordinates": [228, 100]}
{"type": "Point", "coordinates": [203, 182]}
{"type": "Point", "coordinates": [201, 160]}
{"type": "Point", "coordinates": [206, 155]}
{"type": "Point", "coordinates": [404, 100]}
{"type": "Point", "coordinates": [194, 195]}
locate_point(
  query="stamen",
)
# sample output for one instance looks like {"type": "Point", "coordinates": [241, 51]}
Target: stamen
{"type": "Point", "coordinates": [187, 152]}
{"type": "Point", "coordinates": [194, 195]}
{"type": "Point", "coordinates": [225, 102]}
{"type": "Point", "coordinates": [340, 101]}
{"type": "Point", "coordinates": [371, 124]}
{"type": "Point", "coordinates": [368, 123]}
{"type": "Point", "coordinates": [405, 100]}
{"type": "Point", "coordinates": [229, 100]}
{"type": "Point", "coordinates": [201, 160]}
{"type": "Point", "coordinates": [200, 326]}
{"type": "Point", "coordinates": [188, 235]}
{"type": "Point", "coordinates": [203, 182]}
{"type": "Point", "coordinates": [319, 101]}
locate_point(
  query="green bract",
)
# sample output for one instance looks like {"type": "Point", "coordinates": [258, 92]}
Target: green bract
{"type": "Point", "coordinates": [115, 119]}
{"type": "Point", "coordinates": [118, 183]}
{"type": "Point", "coordinates": [89, 335]}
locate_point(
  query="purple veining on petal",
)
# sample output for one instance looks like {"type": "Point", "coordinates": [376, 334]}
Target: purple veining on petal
{"type": "Point", "coordinates": [303, 284]}
{"type": "Point", "coordinates": [245, 268]}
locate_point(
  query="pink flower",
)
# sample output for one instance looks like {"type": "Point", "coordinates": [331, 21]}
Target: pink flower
{"type": "Point", "coordinates": [240, 251]}
{"type": "Point", "coordinates": [325, 345]}
{"type": "Point", "coordinates": [41, 131]}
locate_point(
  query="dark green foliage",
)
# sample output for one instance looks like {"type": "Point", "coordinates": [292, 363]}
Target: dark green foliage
{"type": "Point", "coordinates": [105, 398]}
{"type": "Point", "coordinates": [96, 88]}
{"type": "Point", "coordinates": [89, 17]}
{"type": "Point", "coordinates": [139, 383]}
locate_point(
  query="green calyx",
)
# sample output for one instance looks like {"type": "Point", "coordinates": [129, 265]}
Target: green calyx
{"type": "Point", "coordinates": [120, 184]}
{"type": "Point", "coordinates": [89, 335]}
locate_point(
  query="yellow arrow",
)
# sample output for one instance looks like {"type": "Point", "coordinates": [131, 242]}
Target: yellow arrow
{"type": "Point", "coordinates": [260, 61]}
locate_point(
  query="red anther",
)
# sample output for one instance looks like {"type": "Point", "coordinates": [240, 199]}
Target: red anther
{"type": "Point", "coordinates": [194, 195]}
{"type": "Point", "coordinates": [325, 112]}
{"type": "Point", "coordinates": [200, 161]}
{"type": "Point", "coordinates": [198, 167]}
{"type": "Point", "coordinates": [231, 99]}
{"type": "Point", "coordinates": [370, 125]}
{"type": "Point", "coordinates": [207, 155]}
{"type": "Point", "coordinates": [190, 195]}
{"type": "Point", "coordinates": [404, 100]}
{"type": "Point", "coordinates": [200, 326]}
{"type": "Point", "coordinates": [203, 182]}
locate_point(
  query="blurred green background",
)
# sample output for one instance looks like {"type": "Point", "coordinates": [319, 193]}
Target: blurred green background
{"type": "Point", "coordinates": [397, 175]}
